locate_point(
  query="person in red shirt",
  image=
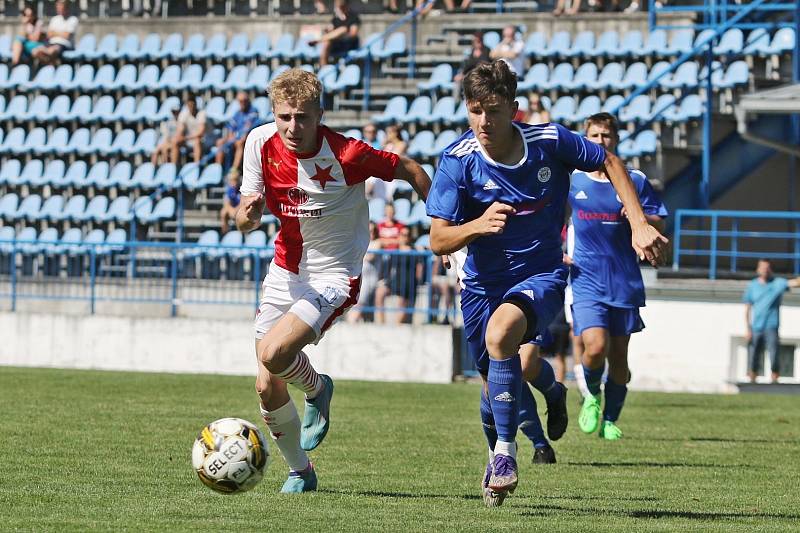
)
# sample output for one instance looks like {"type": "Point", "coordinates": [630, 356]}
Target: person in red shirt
{"type": "Point", "coordinates": [389, 229]}
{"type": "Point", "coordinates": [312, 180]}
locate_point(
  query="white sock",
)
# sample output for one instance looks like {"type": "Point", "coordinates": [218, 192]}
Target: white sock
{"type": "Point", "coordinates": [302, 375]}
{"type": "Point", "coordinates": [491, 456]}
{"type": "Point", "coordinates": [284, 427]}
{"type": "Point", "coordinates": [506, 448]}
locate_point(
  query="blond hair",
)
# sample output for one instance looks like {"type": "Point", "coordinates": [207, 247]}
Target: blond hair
{"type": "Point", "coordinates": [295, 87]}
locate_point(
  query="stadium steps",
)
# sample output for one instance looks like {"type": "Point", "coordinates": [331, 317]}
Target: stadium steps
{"type": "Point", "coordinates": [526, 7]}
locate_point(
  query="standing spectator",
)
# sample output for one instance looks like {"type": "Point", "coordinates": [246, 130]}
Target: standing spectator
{"type": "Point", "coordinates": [369, 278]}
{"type": "Point", "coordinates": [60, 35]}
{"type": "Point", "coordinates": [478, 54]}
{"type": "Point", "coordinates": [510, 49]}
{"type": "Point", "coordinates": [230, 202]}
{"type": "Point", "coordinates": [29, 38]}
{"type": "Point", "coordinates": [168, 129]}
{"type": "Point", "coordinates": [192, 131]}
{"type": "Point", "coordinates": [401, 272]}
{"type": "Point", "coordinates": [537, 113]}
{"type": "Point", "coordinates": [369, 134]}
{"type": "Point", "coordinates": [389, 229]}
{"type": "Point", "coordinates": [762, 311]}
{"type": "Point", "coordinates": [236, 130]}
{"type": "Point", "coordinates": [342, 34]}
{"type": "Point", "coordinates": [443, 288]}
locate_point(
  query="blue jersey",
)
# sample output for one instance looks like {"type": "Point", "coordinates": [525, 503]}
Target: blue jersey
{"type": "Point", "coordinates": [605, 267]}
{"type": "Point", "coordinates": [468, 181]}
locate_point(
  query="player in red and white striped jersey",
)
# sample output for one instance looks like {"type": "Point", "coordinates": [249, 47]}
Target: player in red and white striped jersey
{"type": "Point", "coordinates": [312, 179]}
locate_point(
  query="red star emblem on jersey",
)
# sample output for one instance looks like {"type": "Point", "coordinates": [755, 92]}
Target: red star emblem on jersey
{"type": "Point", "coordinates": [323, 175]}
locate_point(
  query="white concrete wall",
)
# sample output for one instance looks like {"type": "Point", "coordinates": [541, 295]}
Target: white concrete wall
{"type": "Point", "coordinates": [691, 346]}
{"type": "Point", "coordinates": [380, 353]}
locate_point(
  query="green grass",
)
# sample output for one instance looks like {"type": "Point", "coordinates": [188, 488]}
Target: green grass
{"type": "Point", "coordinates": [111, 451]}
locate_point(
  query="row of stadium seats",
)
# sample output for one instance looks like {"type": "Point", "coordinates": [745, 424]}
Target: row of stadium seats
{"type": "Point", "coordinates": [406, 212]}
{"type": "Point", "coordinates": [612, 44]}
{"type": "Point", "coordinates": [82, 143]}
{"type": "Point", "coordinates": [72, 241]}
{"type": "Point", "coordinates": [75, 209]}
{"type": "Point", "coordinates": [107, 109]}
{"type": "Point", "coordinates": [112, 47]}
{"type": "Point", "coordinates": [102, 175]}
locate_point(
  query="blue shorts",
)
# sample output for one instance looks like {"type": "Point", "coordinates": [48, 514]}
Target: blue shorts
{"type": "Point", "coordinates": [619, 321]}
{"type": "Point", "coordinates": [541, 297]}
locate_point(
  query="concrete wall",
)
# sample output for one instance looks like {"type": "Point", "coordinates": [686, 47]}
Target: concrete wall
{"type": "Point", "coordinates": [368, 352]}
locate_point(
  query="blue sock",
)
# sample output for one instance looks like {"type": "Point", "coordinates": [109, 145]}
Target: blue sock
{"type": "Point", "coordinates": [505, 388]}
{"type": "Point", "coordinates": [529, 422]}
{"type": "Point", "coordinates": [545, 383]}
{"type": "Point", "coordinates": [593, 378]}
{"type": "Point", "coordinates": [488, 421]}
{"type": "Point", "coordinates": [615, 399]}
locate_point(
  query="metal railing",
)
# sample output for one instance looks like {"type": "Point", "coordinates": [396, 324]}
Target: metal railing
{"type": "Point", "coordinates": [725, 238]}
{"type": "Point", "coordinates": [176, 274]}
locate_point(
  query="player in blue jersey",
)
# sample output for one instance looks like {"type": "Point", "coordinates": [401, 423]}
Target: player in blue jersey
{"type": "Point", "coordinates": [606, 282]}
{"type": "Point", "coordinates": [501, 190]}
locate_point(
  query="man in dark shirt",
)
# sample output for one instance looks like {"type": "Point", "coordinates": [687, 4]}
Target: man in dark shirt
{"type": "Point", "coordinates": [477, 55]}
{"type": "Point", "coordinates": [341, 36]}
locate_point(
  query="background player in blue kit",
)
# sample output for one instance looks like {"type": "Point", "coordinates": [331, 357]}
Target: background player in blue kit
{"type": "Point", "coordinates": [501, 190]}
{"type": "Point", "coordinates": [607, 285]}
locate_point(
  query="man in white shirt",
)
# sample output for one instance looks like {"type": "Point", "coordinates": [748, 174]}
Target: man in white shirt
{"type": "Point", "coordinates": [60, 34]}
{"type": "Point", "coordinates": [510, 50]}
{"type": "Point", "coordinates": [192, 131]}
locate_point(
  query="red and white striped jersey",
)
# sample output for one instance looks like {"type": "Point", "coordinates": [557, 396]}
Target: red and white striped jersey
{"type": "Point", "coordinates": [318, 197]}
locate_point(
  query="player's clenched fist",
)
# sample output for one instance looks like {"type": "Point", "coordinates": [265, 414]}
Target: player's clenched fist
{"type": "Point", "coordinates": [649, 244]}
{"type": "Point", "coordinates": [493, 221]}
{"type": "Point", "coordinates": [253, 206]}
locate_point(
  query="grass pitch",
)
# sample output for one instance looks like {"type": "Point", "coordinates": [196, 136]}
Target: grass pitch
{"type": "Point", "coordinates": [111, 451]}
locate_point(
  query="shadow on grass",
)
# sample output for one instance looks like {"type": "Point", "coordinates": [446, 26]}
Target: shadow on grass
{"type": "Point", "coordinates": [546, 510]}
{"type": "Point", "coordinates": [726, 440]}
{"type": "Point", "coordinates": [391, 494]}
{"type": "Point", "coordinates": [651, 464]}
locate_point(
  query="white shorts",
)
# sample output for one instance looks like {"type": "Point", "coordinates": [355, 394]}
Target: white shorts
{"type": "Point", "coordinates": [317, 302]}
{"type": "Point", "coordinates": [568, 304]}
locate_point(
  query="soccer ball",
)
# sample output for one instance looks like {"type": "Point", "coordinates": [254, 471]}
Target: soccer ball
{"type": "Point", "coordinates": [230, 455]}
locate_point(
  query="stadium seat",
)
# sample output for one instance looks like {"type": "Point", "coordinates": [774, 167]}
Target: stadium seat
{"type": "Point", "coordinates": [283, 49]}
{"type": "Point", "coordinates": [144, 173]}
{"type": "Point", "coordinates": [349, 78]}
{"type": "Point", "coordinates": [189, 176]}
{"type": "Point", "coordinates": [51, 208]}
{"type": "Point", "coordinates": [662, 103]}
{"type": "Point", "coordinates": [35, 140]}
{"type": "Point", "coordinates": [683, 78]}
{"type": "Point", "coordinates": [256, 241]}
{"type": "Point", "coordinates": [402, 210]}
{"type": "Point", "coordinates": [607, 45]}
{"type": "Point", "coordinates": [68, 243]}
{"type": "Point", "coordinates": [103, 79]}
{"type": "Point", "coordinates": [208, 238]}
{"type": "Point", "coordinates": [211, 176]}
{"type": "Point", "coordinates": [98, 175]}
{"type": "Point", "coordinates": [681, 43]}
{"type": "Point", "coordinates": [53, 173]}
{"type": "Point", "coordinates": [757, 43]}
{"type": "Point", "coordinates": [396, 108]}
{"type": "Point", "coordinates": [535, 78]}
{"type": "Point", "coordinates": [627, 148]}
{"type": "Point", "coordinates": [441, 79]}
{"type": "Point", "coordinates": [731, 43]}
{"type": "Point", "coordinates": [8, 206]}
{"type": "Point", "coordinates": [81, 108]}
{"type": "Point", "coordinates": [563, 110]}
{"type": "Point", "coordinates": [583, 45]}
{"type": "Point", "coordinates": [100, 143]}
{"type": "Point", "coordinates": [646, 142]}
{"type": "Point", "coordinates": [258, 79]}
{"type": "Point", "coordinates": [657, 70]}
{"type": "Point", "coordinates": [372, 43]}
{"type": "Point", "coordinates": [29, 208]}
{"type": "Point", "coordinates": [656, 45]}
{"type": "Point", "coordinates": [445, 139]}
{"type": "Point", "coordinates": [13, 142]}
{"type": "Point", "coordinates": [125, 111]}
{"type": "Point", "coordinates": [75, 175]}
{"type": "Point", "coordinates": [231, 240]}
{"type": "Point", "coordinates": [146, 110]}
{"type": "Point", "coordinates": [127, 50]}
{"type": "Point", "coordinates": [27, 236]}
{"type": "Point", "coordinates": [106, 48]}
{"type": "Point", "coordinates": [126, 77]}
{"type": "Point", "coordinates": [535, 43]}
{"type": "Point", "coordinates": [491, 39]}
{"type": "Point", "coordinates": [92, 243]}
{"type": "Point", "coordinates": [738, 74]}
{"type": "Point", "coordinates": [163, 210]}
{"type": "Point", "coordinates": [171, 48]}
{"type": "Point", "coordinates": [560, 77]}
{"type": "Point", "coordinates": [635, 76]}
{"type": "Point", "coordinates": [630, 45]}
{"type": "Point", "coordinates": [419, 216]}
{"type": "Point", "coordinates": [609, 78]}
{"type": "Point", "coordinates": [588, 107]}
{"type": "Point", "coordinates": [419, 109]}
{"type": "Point", "coordinates": [62, 77]}
{"type": "Point", "coordinates": [394, 46]}
{"type": "Point", "coordinates": [376, 206]}
{"type": "Point", "coordinates": [442, 111]}
{"type": "Point", "coordinates": [43, 75]}
{"type": "Point", "coordinates": [420, 143]}
{"type": "Point", "coordinates": [142, 207]}
{"type": "Point", "coordinates": [9, 169]}
{"type": "Point", "coordinates": [558, 46]}
{"type": "Point", "coordinates": [145, 143]}
{"type": "Point", "coordinates": [59, 107]}
{"type": "Point", "coordinates": [86, 46]}
{"type": "Point", "coordinates": [235, 49]}
{"type": "Point", "coordinates": [691, 108]}
{"type": "Point", "coordinates": [148, 80]}
{"type": "Point", "coordinates": [32, 171]}
{"type": "Point", "coordinates": [638, 110]}
{"type": "Point", "coordinates": [213, 78]}
{"type": "Point", "coordinates": [5, 47]}
{"type": "Point", "coordinates": [165, 110]}
{"type": "Point", "coordinates": [259, 47]}
{"type": "Point", "coordinates": [79, 138]}
{"type": "Point", "coordinates": [150, 49]}
{"type": "Point", "coordinates": [585, 77]}
{"type": "Point", "coordinates": [18, 77]}
{"type": "Point", "coordinates": [303, 51]}
{"type": "Point", "coordinates": [237, 79]}
{"type": "Point", "coordinates": [170, 79]}
{"type": "Point", "coordinates": [118, 211]}
{"type": "Point", "coordinates": [783, 42]}
{"type": "Point", "coordinates": [191, 78]}
{"type": "Point", "coordinates": [165, 176]}
{"type": "Point", "coordinates": [119, 173]}
{"type": "Point", "coordinates": [96, 210]}
{"type": "Point", "coordinates": [214, 47]}
{"type": "Point", "coordinates": [83, 78]}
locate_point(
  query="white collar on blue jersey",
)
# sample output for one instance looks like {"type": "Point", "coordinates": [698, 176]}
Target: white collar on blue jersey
{"type": "Point", "coordinates": [488, 158]}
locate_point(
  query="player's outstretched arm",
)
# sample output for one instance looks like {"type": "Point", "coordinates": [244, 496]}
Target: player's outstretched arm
{"type": "Point", "coordinates": [448, 237]}
{"type": "Point", "coordinates": [248, 216]}
{"type": "Point", "coordinates": [410, 171]}
{"type": "Point", "coordinates": [646, 240]}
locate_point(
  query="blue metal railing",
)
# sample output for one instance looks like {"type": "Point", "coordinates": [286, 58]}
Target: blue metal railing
{"type": "Point", "coordinates": [715, 12]}
{"type": "Point", "coordinates": [722, 236]}
{"type": "Point", "coordinates": [177, 274]}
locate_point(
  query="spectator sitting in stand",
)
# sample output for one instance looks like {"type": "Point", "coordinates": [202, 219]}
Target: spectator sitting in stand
{"type": "Point", "coordinates": [342, 34]}
{"type": "Point", "coordinates": [60, 35]}
{"type": "Point", "coordinates": [478, 54]}
{"type": "Point", "coordinates": [369, 134]}
{"type": "Point", "coordinates": [537, 114]}
{"type": "Point", "coordinates": [193, 131]}
{"type": "Point", "coordinates": [230, 202]}
{"type": "Point", "coordinates": [235, 132]}
{"type": "Point", "coordinates": [393, 142]}
{"type": "Point", "coordinates": [29, 38]}
{"type": "Point", "coordinates": [168, 129]}
{"type": "Point", "coordinates": [510, 49]}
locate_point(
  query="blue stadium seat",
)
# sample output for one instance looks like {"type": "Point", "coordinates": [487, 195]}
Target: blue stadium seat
{"type": "Point", "coordinates": [630, 45]}
{"type": "Point", "coordinates": [3, 74]}
{"type": "Point", "coordinates": [491, 39]}
{"type": "Point", "coordinates": [563, 110]}
{"type": "Point", "coordinates": [144, 173]}
{"type": "Point", "coordinates": [214, 48]}
{"type": "Point", "coordinates": [588, 107]}
{"type": "Point", "coordinates": [237, 79]}
{"type": "Point", "coordinates": [738, 74]}
{"type": "Point", "coordinates": [375, 42]}
{"type": "Point", "coordinates": [86, 45]}
{"type": "Point", "coordinates": [560, 77]}
{"type": "Point", "coordinates": [74, 205]}
{"type": "Point", "coordinates": [13, 142]}
{"type": "Point", "coordinates": [215, 109]}
{"type": "Point", "coordinates": [231, 240]}
{"type": "Point", "coordinates": [394, 46]}
{"type": "Point", "coordinates": [258, 79]}
{"type": "Point", "coordinates": [396, 108]}
{"type": "Point", "coordinates": [163, 210]}
{"type": "Point", "coordinates": [757, 43]}
{"type": "Point", "coordinates": [145, 143]}
{"type": "Point", "coordinates": [27, 235]}
{"type": "Point", "coordinates": [213, 78]}
{"type": "Point", "coordinates": [441, 79]}
{"type": "Point", "coordinates": [610, 77]}
{"type": "Point", "coordinates": [702, 36]}
{"type": "Point", "coordinates": [115, 241]}
{"type": "Point", "coordinates": [75, 175]}
{"type": "Point", "coordinates": [445, 139]}
{"type": "Point", "coordinates": [5, 47]}
{"type": "Point", "coordinates": [100, 143]}
{"type": "Point", "coordinates": [18, 77]}
{"type": "Point", "coordinates": [191, 78]}
{"type": "Point", "coordinates": [151, 48]}
{"type": "Point", "coordinates": [607, 45]}
{"type": "Point", "coordinates": [165, 176]}
{"type": "Point", "coordinates": [105, 49]}
{"type": "Point", "coordinates": [662, 103]}
{"type": "Point", "coordinates": [125, 111]}
{"type": "Point", "coordinates": [80, 138]}
{"type": "Point", "coordinates": [103, 78]}
{"type": "Point", "coordinates": [70, 243]}
{"type": "Point", "coordinates": [147, 80]}
{"type": "Point", "coordinates": [211, 176]}
{"type": "Point", "coordinates": [683, 78]}
{"type": "Point", "coordinates": [682, 42]}
{"type": "Point", "coordinates": [420, 143]}
{"type": "Point", "coordinates": [146, 110]}
{"type": "Point", "coordinates": [303, 51]}
{"type": "Point", "coordinates": [29, 208]}
{"type": "Point", "coordinates": [419, 217]}
{"type": "Point", "coordinates": [102, 111]}
{"type": "Point", "coordinates": [558, 46]}
{"type": "Point", "coordinates": [647, 142]}
{"type": "Point", "coordinates": [535, 43]}
{"type": "Point", "coordinates": [691, 108]}
{"type": "Point", "coordinates": [259, 48]}
{"type": "Point", "coordinates": [8, 206]}
{"type": "Point", "coordinates": [43, 76]}
{"type": "Point", "coordinates": [349, 78]}
{"type": "Point", "coordinates": [731, 43]}
{"type": "Point", "coordinates": [128, 48]}
{"type": "Point", "coordinates": [263, 106]}
{"type": "Point", "coordinates": [280, 69]}
{"type": "Point", "coordinates": [37, 110]}
{"type": "Point", "coordinates": [126, 77]}
{"type": "Point", "coordinates": [93, 241]}
{"type": "Point", "coordinates": [256, 239]}
{"type": "Point", "coordinates": [583, 45]}
{"type": "Point", "coordinates": [325, 72]}
{"type": "Point", "coordinates": [656, 45]}
{"type": "Point", "coordinates": [612, 102]}
{"type": "Point", "coordinates": [142, 207]}
{"type": "Point", "coordinates": [283, 49]}
{"type": "Point", "coordinates": [36, 139]}
{"type": "Point", "coordinates": [165, 110]}
{"type": "Point", "coordinates": [98, 175]}
{"type": "Point", "coordinates": [96, 210]}
{"type": "Point", "coordinates": [585, 77]}
{"type": "Point", "coordinates": [62, 77]}
{"type": "Point", "coordinates": [51, 208]}
{"type": "Point", "coordinates": [32, 171]}
{"type": "Point", "coordinates": [10, 169]}
{"type": "Point", "coordinates": [120, 173]}
{"type": "Point", "coordinates": [534, 79]}
{"type": "Point", "coordinates": [170, 79]}
{"type": "Point", "coordinates": [657, 70]}
{"type": "Point", "coordinates": [638, 110]}
{"type": "Point", "coordinates": [171, 48]}
{"type": "Point", "coordinates": [209, 237]}
{"type": "Point", "coordinates": [627, 148]}
{"type": "Point", "coordinates": [402, 210]}
{"type": "Point", "coordinates": [419, 109]}
{"type": "Point", "coordinates": [118, 211]}
{"type": "Point", "coordinates": [46, 242]}
{"type": "Point", "coordinates": [59, 107]}
{"type": "Point", "coordinates": [53, 174]}
{"type": "Point", "coordinates": [236, 48]}
{"type": "Point", "coordinates": [83, 78]}
{"type": "Point", "coordinates": [783, 42]}
{"type": "Point", "coordinates": [189, 175]}
{"type": "Point", "coordinates": [443, 110]}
